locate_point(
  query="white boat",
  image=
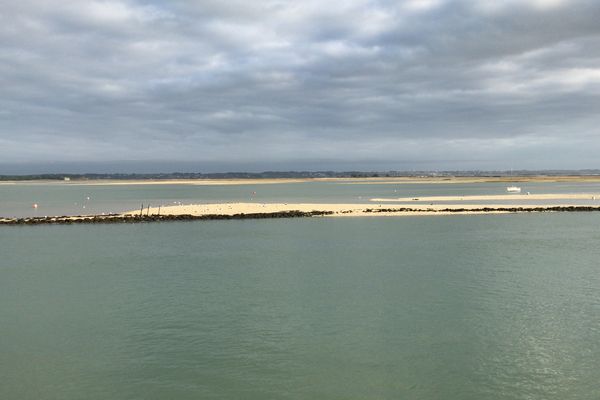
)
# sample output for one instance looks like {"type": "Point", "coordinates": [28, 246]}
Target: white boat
{"type": "Point", "coordinates": [513, 189]}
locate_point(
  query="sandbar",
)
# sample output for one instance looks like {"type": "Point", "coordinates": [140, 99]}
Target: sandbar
{"type": "Point", "coordinates": [226, 211]}
{"type": "Point", "coordinates": [339, 180]}
{"type": "Point", "coordinates": [336, 210]}
{"type": "Point", "coordinates": [515, 197]}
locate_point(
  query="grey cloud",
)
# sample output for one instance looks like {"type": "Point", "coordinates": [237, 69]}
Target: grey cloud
{"type": "Point", "coordinates": [468, 83]}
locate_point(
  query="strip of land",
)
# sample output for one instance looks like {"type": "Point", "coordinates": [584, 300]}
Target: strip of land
{"type": "Point", "coordinates": [341, 210]}
{"type": "Point", "coordinates": [263, 211]}
{"type": "Point", "coordinates": [347, 180]}
{"type": "Point", "coordinates": [126, 182]}
{"type": "Point", "coordinates": [514, 197]}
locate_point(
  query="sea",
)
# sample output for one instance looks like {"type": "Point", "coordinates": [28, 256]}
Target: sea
{"type": "Point", "coordinates": [425, 307]}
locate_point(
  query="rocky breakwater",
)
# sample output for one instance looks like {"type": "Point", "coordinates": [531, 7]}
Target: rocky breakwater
{"type": "Point", "coordinates": [124, 218]}
{"type": "Point", "coordinates": [130, 218]}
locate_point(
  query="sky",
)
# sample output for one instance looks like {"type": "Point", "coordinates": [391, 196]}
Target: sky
{"type": "Point", "coordinates": [217, 85]}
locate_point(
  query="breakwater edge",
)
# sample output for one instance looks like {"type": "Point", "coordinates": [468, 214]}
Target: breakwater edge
{"type": "Point", "coordinates": [402, 211]}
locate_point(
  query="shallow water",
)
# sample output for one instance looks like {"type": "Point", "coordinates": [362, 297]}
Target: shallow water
{"type": "Point", "coordinates": [456, 307]}
{"type": "Point", "coordinates": [73, 199]}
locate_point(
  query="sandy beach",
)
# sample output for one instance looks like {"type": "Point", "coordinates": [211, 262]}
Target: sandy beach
{"type": "Point", "coordinates": [225, 211]}
{"type": "Point", "coordinates": [462, 179]}
{"type": "Point", "coordinates": [416, 206]}
{"type": "Point", "coordinates": [336, 210]}
{"type": "Point", "coordinates": [345, 181]}
{"type": "Point", "coordinates": [515, 197]}
{"type": "Point", "coordinates": [124, 182]}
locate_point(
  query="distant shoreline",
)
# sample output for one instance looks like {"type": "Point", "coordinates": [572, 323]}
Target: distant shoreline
{"type": "Point", "coordinates": [342, 180]}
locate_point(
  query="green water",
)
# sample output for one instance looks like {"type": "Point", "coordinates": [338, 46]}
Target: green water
{"type": "Point", "coordinates": [458, 307]}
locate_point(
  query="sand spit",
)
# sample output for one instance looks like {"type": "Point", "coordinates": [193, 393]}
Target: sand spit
{"type": "Point", "coordinates": [464, 179]}
{"type": "Point", "coordinates": [347, 181]}
{"type": "Point", "coordinates": [517, 197]}
{"type": "Point", "coordinates": [250, 208]}
{"type": "Point", "coordinates": [341, 210]}
{"type": "Point", "coordinates": [137, 182]}
{"type": "Point", "coordinates": [205, 212]}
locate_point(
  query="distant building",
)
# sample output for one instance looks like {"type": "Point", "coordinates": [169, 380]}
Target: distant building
{"type": "Point", "coordinates": [66, 178]}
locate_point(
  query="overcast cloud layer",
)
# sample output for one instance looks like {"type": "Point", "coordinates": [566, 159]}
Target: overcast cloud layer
{"type": "Point", "coordinates": [425, 84]}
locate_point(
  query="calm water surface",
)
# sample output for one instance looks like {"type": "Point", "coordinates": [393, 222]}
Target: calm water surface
{"type": "Point", "coordinates": [458, 307]}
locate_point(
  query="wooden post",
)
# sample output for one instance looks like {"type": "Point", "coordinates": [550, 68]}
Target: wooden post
{"type": "Point", "coordinates": [142, 209]}
{"type": "Point", "coordinates": [148, 211]}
